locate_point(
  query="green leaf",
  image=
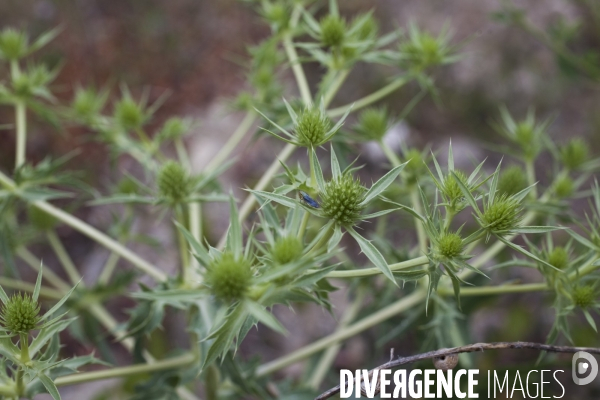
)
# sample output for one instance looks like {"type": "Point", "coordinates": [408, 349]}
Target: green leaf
{"type": "Point", "coordinates": [316, 167]}
{"type": "Point", "coordinates": [378, 187]}
{"type": "Point", "coordinates": [525, 252]}
{"type": "Point", "coordinates": [466, 192]}
{"type": "Point", "coordinates": [335, 165]}
{"type": "Point", "coordinates": [278, 198]}
{"type": "Point", "coordinates": [583, 240]}
{"type": "Point", "coordinates": [264, 316]}
{"type": "Point", "coordinates": [59, 303]}
{"type": "Point", "coordinates": [379, 213]}
{"type": "Point", "coordinates": [590, 320]}
{"type": "Point", "coordinates": [335, 238]}
{"type": "Point", "coordinates": [3, 296]}
{"type": "Point", "coordinates": [277, 126]}
{"type": "Point", "coordinates": [234, 234]}
{"type": "Point", "coordinates": [372, 254]}
{"type": "Point", "coordinates": [537, 229]}
{"type": "Point", "coordinates": [46, 334]}
{"type": "Point", "coordinates": [225, 334]}
{"type": "Point", "coordinates": [38, 284]}
{"type": "Point", "coordinates": [49, 385]}
{"type": "Point", "coordinates": [170, 296]}
{"type": "Point", "coordinates": [199, 250]}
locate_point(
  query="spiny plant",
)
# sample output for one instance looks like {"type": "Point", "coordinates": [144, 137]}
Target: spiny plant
{"type": "Point", "coordinates": [446, 227]}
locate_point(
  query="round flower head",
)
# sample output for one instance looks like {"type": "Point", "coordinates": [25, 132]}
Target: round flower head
{"type": "Point", "coordinates": [341, 200]}
{"type": "Point", "coordinates": [450, 245]}
{"type": "Point", "coordinates": [584, 296]}
{"type": "Point", "coordinates": [13, 44]}
{"type": "Point", "coordinates": [512, 180]}
{"type": "Point", "coordinates": [333, 30]}
{"type": "Point", "coordinates": [229, 277]}
{"type": "Point", "coordinates": [312, 127]}
{"type": "Point", "coordinates": [20, 314]}
{"type": "Point", "coordinates": [452, 190]}
{"type": "Point", "coordinates": [286, 249]}
{"type": "Point", "coordinates": [574, 153]}
{"type": "Point", "coordinates": [415, 167]}
{"type": "Point", "coordinates": [173, 182]}
{"type": "Point", "coordinates": [373, 123]}
{"type": "Point", "coordinates": [502, 215]}
{"type": "Point", "coordinates": [558, 258]}
{"type": "Point", "coordinates": [564, 187]}
{"type": "Point", "coordinates": [128, 114]}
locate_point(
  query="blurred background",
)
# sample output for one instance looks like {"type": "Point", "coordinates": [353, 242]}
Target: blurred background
{"type": "Point", "coordinates": [195, 51]}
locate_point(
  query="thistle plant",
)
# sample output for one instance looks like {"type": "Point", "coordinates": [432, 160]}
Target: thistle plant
{"type": "Point", "coordinates": [330, 219]}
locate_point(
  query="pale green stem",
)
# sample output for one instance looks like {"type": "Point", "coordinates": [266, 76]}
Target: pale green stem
{"type": "Point", "coordinates": [122, 372]}
{"type": "Point", "coordinates": [91, 232]}
{"type": "Point", "coordinates": [21, 125]}
{"type": "Point", "coordinates": [293, 58]}
{"type": "Point", "coordinates": [108, 269]}
{"type": "Point", "coordinates": [24, 343]}
{"type": "Point", "coordinates": [232, 142]}
{"type": "Point", "coordinates": [63, 257]}
{"type": "Point", "coordinates": [303, 225]}
{"type": "Point", "coordinates": [45, 292]}
{"type": "Point", "coordinates": [406, 303]}
{"type": "Point", "coordinates": [20, 386]}
{"type": "Point", "coordinates": [335, 86]}
{"type": "Point", "coordinates": [182, 154]}
{"type": "Point", "coordinates": [327, 359]}
{"type": "Point", "coordinates": [530, 170]}
{"type": "Point", "coordinates": [389, 153]}
{"type": "Point", "coordinates": [416, 203]}
{"type": "Point", "coordinates": [184, 254]}
{"type": "Point", "coordinates": [355, 273]}
{"type": "Point", "coordinates": [370, 99]}
{"type": "Point", "coordinates": [490, 290]}
{"type": "Point", "coordinates": [195, 212]}
{"type": "Point", "coordinates": [248, 204]}
{"type": "Point", "coordinates": [47, 273]}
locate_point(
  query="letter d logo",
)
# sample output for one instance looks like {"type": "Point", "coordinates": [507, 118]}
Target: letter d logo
{"type": "Point", "coordinates": [578, 369]}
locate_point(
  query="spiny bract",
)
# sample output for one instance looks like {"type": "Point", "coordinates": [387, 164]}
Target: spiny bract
{"type": "Point", "coordinates": [502, 215]}
{"type": "Point", "coordinates": [333, 30]}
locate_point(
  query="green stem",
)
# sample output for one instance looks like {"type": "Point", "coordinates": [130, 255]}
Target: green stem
{"type": "Point", "coordinates": [24, 343]}
{"type": "Point", "coordinates": [20, 386]}
{"type": "Point", "coordinates": [490, 290]}
{"type": "Point", "coordinates": [21, 125]}
{"type": "Point", "coordinates": [108, 269]}
{"type": "Point", "coordinates": [182, 154]}
{"type": "Point", "coordinates": [370, 99]}
{"type": "Point", "coordinates": [184, 254]}
{"type": "Point", "coordinates": [415, 298]}
{"type": "Point", "coordinates": [121, 372]}
{"type": "Point", "coordinates": [530, 171]}
{"type": "Point", "coordinates": [47, 273]}
{"type": "Point", "coordinates": [319, 245]}
{"type": "Point", "coordinates": [327, 359]}
{"type": "Point", "coordinates": [232, 142]}
{"type": "Point", "coordinates": [195, 212]}
{"type": "Point", "coordinates": [416, 203]}
{"type": "Point", "coordinates": [91, 232]}
{"type": "Point", "coordinates": [45, 292]}
{"type": "Point", "coordinates": [63, 257]}
{"type": "Point", "coordinates": [415, 262]}
{"type": "Point", "coordinates": [293, 57]}
{"type": "Point", "coordinates": [303, 225]}
{"type": "Point", "coordinates": [389, 153]}
{"type": "Point", "coordinates": [335, 86]}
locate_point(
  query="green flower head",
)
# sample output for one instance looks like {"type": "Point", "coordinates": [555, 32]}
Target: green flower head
{"type": "Point", "coordinates": [584, 296]}
{"type": "Point", "coordinates": [312, 127]}
{"type": "Point", "coordinates": [574, 153]}
{"type": "Point", "coordinates": [502, 215]}
{"type": "Point", "coordinates": [286, 249]}
{"type": "Point", "coordinates": [342, 199]}
{"type": "Point", "coordinates": [512, 180]}
{"type": "Point", "coordinates": [20, 314]}
{"type": "Point", "coordinates": [333, 31]}
{"type": "Point", "coordinates": [173, 182]}
{"type": "Point", "coordinates": [450, 245]}
{"type": "Point", "coordinates": [229, 277]}
{"type": "Point", "coordinates": [373, 123]}
{"type": "Point", "coordinates": [558, 258]}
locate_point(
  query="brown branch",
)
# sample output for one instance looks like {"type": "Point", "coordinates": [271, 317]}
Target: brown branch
{"type": "Point", "coordinates": [469, 349]}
